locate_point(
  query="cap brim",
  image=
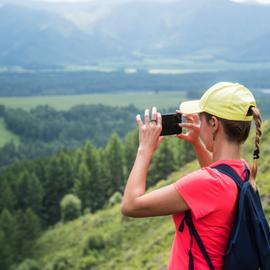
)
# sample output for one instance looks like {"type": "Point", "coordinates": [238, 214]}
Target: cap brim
{"type": "Point", "coordinates": [189, 107]}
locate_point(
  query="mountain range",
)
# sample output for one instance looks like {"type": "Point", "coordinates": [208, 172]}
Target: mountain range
{"type": "Point", "coordinates": [36, 33]}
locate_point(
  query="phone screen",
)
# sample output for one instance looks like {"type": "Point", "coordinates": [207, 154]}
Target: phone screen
{"type": "Point", "coordinates": [170, 123]}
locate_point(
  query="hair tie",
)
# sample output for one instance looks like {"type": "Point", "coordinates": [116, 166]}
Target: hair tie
{"type": "Point", "coordinates": [256, 154]}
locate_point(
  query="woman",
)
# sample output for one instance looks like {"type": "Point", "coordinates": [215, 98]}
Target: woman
{"type": "Point", "coordinates": [217, 125]}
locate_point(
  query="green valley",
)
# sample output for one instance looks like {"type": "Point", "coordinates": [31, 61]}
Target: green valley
{"type": "Point", "coordinates": [141, 100]}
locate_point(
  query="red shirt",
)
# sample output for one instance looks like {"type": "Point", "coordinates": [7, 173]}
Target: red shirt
{"type": "Point", "coordinates": [211, 197]}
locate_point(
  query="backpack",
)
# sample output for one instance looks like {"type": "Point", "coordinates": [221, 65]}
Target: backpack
{"type": "Point", "coordinates": [249, 242]}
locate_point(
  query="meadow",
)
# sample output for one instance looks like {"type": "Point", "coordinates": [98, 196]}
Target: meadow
{"type": "Point", "coordinates": [142, 100]}
{"type": "Point", "coordinates": [162, 100]}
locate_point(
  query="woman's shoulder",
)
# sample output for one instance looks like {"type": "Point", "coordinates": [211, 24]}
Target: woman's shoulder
{"type": "Point", "coordinates": [240, 166]}
{"type": "Point", "coordinates": [235, 163]}
{"type": "Point", "coordinates": [209, 175]}
{"type": "Point", "coordinates": [200, 176]}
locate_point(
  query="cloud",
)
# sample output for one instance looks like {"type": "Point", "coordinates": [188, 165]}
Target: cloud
{"type": "Point", "coordinates": [263, 2]}
{"type": "Point", "coordinates": [255, 2]}
{"type": "Point", "coordinates": [99, 1]}
{"type": "Point", "coordinates": [85, 20]}
{"type": "Point", "coordinates": [66, 1]}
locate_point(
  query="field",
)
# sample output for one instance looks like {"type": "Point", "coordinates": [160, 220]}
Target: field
{"type": "Point", "coordinates": [141, 100]}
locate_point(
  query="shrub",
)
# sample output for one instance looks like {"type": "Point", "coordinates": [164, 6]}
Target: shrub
{"type": "Point", "coordinates": [62, 263]}
{"type": "Point", "coordinates": [94, 242]}
{"type": "Point", "coordinates": [70, 207]}
{"type": "Point", "coordinates": [88, 263]}
{"type": "Point", "coordinates": [115, 199]}
{"type": "Point", "coordinates": [28, 264]}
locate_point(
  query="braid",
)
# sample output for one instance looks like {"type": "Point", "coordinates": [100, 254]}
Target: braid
{"type": "Point", "coordinates": [256, 154]}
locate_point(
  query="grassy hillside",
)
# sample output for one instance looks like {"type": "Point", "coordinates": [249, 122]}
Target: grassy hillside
{"type": "Point", "coordinates": [107, 240]}
{"type": "Point", "coordinates": [141, 100]}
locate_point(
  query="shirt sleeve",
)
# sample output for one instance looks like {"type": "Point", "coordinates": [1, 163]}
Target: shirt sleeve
{"type": "Point", "coordinates": [200, 190]}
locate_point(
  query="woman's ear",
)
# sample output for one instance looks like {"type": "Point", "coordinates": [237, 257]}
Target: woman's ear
{"type": "Point", "coordinates": [214, 123]}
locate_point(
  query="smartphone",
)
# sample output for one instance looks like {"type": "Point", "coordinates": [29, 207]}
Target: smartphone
{"type": "Point", "coordinates": [170, 123]}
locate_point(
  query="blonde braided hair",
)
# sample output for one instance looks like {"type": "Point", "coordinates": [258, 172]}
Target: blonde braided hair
{"type": "Point", "coordinates": [256, 154]}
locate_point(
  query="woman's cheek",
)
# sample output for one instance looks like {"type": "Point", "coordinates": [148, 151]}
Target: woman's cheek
{"type": "Point", "coordinates": [206, 140]}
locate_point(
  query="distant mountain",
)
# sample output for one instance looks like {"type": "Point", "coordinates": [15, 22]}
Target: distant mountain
{"type": "Point", "coordinates": [32, 37]}
{"type": "Point", "coordinates": [257, 49]}
{"type": "Point", "coordinates": [40, 33]}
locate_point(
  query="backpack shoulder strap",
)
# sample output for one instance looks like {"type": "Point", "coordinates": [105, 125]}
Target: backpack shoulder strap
{"type": "Point", "coordinates": [229, 171]}
{"type": "Point", "coordinates": [193, 233]}
{"type": "Point", "coordinates": [242, 186]}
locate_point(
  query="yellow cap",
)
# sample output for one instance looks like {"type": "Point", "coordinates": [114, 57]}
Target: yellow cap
{"type": "Point", "coordinates": [226, 100]}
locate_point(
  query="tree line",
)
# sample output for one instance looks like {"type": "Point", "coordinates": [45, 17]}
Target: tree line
{"type": "Point", "coordinates": [31, 191]}
{"type": "Point", "coordinates": [43, 130]}
{"type": "Point", "coordinates": [63, 83]}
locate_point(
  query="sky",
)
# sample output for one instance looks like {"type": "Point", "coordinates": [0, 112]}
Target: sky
{"type": "Point", "coordinates": [89, 1]}
{"type": "Point", "coordinates": [256, 2]}
{"type": "Point", "coordinates": [259, 2]}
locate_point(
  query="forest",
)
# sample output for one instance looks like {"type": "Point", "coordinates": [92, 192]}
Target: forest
{"type": "Point", "coordinates": [43, 130]}
{"type": "Point", "coordinates": [64, 83]}
{"type": "Point", "coordinates": [95, 176]}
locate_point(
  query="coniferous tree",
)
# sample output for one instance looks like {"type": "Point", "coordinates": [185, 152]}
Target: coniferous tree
{"type": "Point", "coordinates": [7, 197]}
{"type": "Point", "coordinates": [8, 229]}
{"type": "Point", "coordinates": [104, 178]}
{"type": "Point", "coordinates": [77, 160]}
{"type": "Point", "coordinates": [82, 187]}
{"type": "Point", "coordinates": [114, 165]}
{"type": "Point", "coordinates": [162, 164]}
{"type": "Point", "coordinates": [27, 230]}
{"type": "Point", "coordinates": [4, 252]}
{"type": "Point", "coordinates": [29, 192]}
{"type": "Point", "coordinates": [59, 181]}
{"type": "Point", "coordinates": [185, 153]}
{"type": "Point", "coordinates": [91, 157]}
{"type": "Point", "coordinates": [131, 144]}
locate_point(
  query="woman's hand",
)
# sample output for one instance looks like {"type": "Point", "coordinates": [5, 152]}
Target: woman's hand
{"type": "Point", "coordinates": [149, 132]}
{"type": "Point", "coordinates": [193, 127]}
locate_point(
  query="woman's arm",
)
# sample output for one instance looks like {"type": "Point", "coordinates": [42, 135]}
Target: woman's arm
{"type": "Point", "coordinates": [160, 202]}
{"type": "Point", "coordinates": [163, 201]}
{"type": "Point", "coordinates": [193, 136]}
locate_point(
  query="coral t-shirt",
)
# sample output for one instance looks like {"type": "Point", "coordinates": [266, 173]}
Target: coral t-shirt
{"type": "Point", "coordinates": [211, 196]}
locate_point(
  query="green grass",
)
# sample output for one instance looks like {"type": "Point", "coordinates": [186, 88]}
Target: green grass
{"type": "Point", "coordinates": [5, 135]}
{"type": "Point", "coordinates": [142, 100]}
{"type": "Point", "coordinates": [130, 244]}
